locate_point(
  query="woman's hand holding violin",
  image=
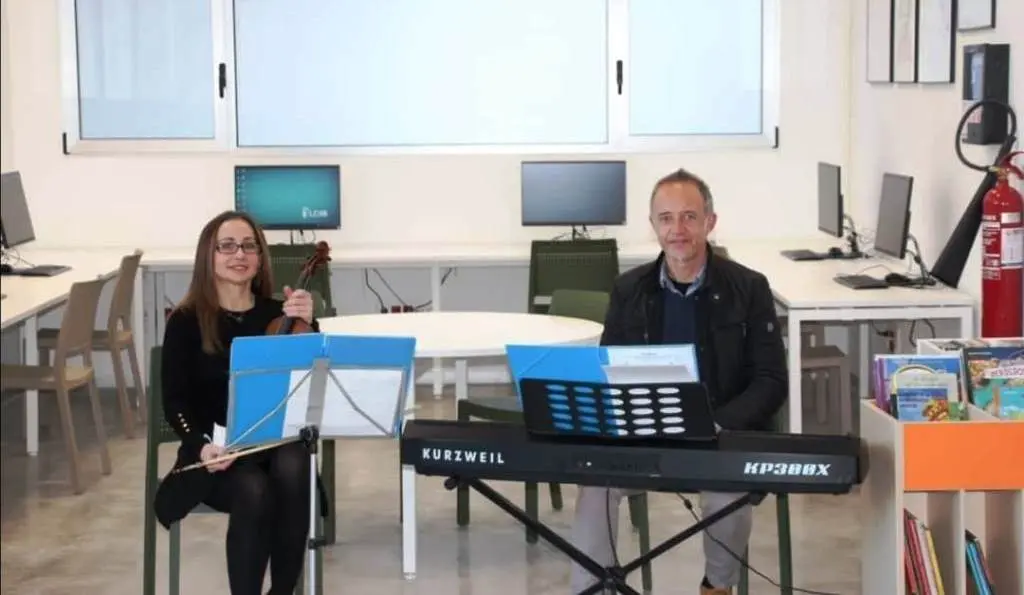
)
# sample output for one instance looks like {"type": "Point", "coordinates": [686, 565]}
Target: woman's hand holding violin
{"type": "Point", "coordinates": [298, 303]}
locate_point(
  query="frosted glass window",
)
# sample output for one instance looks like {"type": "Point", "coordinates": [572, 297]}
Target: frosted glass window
{"type": "Point", "coordinates": [420, 72]}
{"type": "Point", "coordinates": [695, 67]}
{"type": "Point", "coordinates": [145, 69]}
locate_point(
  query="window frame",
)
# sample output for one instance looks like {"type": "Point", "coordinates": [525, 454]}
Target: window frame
{"type": "Point", "coordinates": [620, 142]}
{"type": "Point", "coordinates": [71, 107]}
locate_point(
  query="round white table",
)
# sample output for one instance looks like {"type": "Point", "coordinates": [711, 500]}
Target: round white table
{"type": "Point", "coordinates": [467, 334]}
{"type": "Point", "coordinates": [458, 335]}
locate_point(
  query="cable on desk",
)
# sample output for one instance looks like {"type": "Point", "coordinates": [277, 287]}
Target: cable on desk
{"type": "Point", "coordinates": [689, 506]}
{"type": "Point", "coordinates": [429, 303]}
{"type": "Point", "coordinates": [913, 328]}
{"type": "Point", "coordinates": [366, 281]}
{"type": "Point", "coordinates": [924, 279]}
{"type": "Point", "coordinates": [391, 290]}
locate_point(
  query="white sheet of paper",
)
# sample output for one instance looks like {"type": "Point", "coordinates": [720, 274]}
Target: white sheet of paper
{"type": "Point", "coordinates": [670, 355]}
{"type": "Point", "coordinates": [375, 392]}
{"type": "Point", "coordinates": [220, 435]}
{"type": "Point", "coordinates": [648, 374]}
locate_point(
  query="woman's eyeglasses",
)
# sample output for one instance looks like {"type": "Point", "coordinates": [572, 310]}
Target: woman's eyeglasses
{"type": "Point", "coordinates": [232, 247]}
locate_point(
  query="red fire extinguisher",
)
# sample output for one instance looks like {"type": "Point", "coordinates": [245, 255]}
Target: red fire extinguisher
{"type": "Point", "coordinates": [1002, 266]}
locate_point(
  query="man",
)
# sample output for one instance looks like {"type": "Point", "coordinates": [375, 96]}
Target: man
{"type": "Point", "coordinates": [690, 295]}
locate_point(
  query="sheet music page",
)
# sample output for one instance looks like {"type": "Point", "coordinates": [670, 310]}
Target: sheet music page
{"type": "Point", "coordinates": [652, 363]}
{"type": "Point", "coordinates": [374, 392]}
{"type": "Point", "coordinates": [648, 374]}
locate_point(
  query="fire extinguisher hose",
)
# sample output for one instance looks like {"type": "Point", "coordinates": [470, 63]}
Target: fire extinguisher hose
{"type": "Point", "coordinates": [963, 122]}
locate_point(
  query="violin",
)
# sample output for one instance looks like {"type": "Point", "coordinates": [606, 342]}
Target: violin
{"type": "Point", "coordinates": [286, 325]}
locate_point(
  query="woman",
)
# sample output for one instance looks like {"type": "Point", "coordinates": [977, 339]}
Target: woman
{"type": "Point", "coordinates": [266, 494]}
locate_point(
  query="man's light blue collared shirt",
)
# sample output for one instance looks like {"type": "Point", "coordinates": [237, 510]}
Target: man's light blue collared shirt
{"type": "Point", "coordinates": [666, 281]}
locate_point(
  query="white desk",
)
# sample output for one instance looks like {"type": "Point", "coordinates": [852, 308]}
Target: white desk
{"type": "Point", "coordinates": [808, 293]}
{"type": "Point", "coordinates": [30, 297]}
{"type": "Point", "coordinates": [458, 335]}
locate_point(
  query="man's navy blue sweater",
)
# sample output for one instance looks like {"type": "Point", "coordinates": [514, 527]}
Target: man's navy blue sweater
{"type": "Point", "coordinates": [680, 317]}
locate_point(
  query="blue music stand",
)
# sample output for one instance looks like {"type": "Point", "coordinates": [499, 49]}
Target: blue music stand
{"type": "Point", "coordinates": [303, 387]}
{"type": "Point", "coordinates": [612, 393]}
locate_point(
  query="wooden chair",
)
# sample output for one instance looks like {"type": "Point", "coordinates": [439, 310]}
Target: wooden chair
{"type": "Point", "coordinates": [73, 339]}
{"type": "Point", "coordinates": [116, 339]}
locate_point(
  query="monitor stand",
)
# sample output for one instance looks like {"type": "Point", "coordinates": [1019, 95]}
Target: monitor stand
{"type": "Point", "coordinates": [581, 233]}
{"type": "Point", "coordinates": [852, 241]}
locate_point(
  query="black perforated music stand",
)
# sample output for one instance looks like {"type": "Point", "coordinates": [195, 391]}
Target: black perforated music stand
{"type": "Point", "coordinates": [674, 411]}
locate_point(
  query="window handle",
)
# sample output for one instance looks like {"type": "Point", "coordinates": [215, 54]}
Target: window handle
{"type": "Point", "coordinates": [618, 75]}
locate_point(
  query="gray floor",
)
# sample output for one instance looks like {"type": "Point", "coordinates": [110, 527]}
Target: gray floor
{"type": "Point", "coordinates": [54, 543]}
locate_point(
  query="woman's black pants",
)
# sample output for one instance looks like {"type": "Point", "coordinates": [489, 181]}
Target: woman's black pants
{"type": "Point", "coordinates": [266, 496]}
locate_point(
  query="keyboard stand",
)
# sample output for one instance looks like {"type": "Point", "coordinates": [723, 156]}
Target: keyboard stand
{"type": "Point", "coordinates": [612, 577]}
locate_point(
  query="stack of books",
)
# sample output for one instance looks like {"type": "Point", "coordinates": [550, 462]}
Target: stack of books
{"type": "Point", "coordinates": [988, 373]}
{"type": "Point", "coordinates": [919, 559]}
{"type": "Point", "coordinates": [921, 564]}
{"type": "Point", "coordinates": [979, 577]}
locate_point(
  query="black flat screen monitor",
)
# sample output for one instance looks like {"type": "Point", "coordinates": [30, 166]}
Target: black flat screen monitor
{"type": "Point", "coordinates": [830, 200]}
{"type": "Point", "coordinates": [894, 215]}
{"type": "Point", "coordinates": [292, 197]}
{"type": "Point", "coordinates": [15, 220]}
{"type": "Point", "coordinates": [573, 193]}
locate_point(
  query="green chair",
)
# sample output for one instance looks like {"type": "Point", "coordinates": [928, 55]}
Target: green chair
{"type": "Point", "coordinates": [577, 264]}
{"type": "Point", "coordinates": [286, 261]}
{"type": "Point", "coordinates": [574, 303]}
{"type": "Point", "coordinates": [159, 432]}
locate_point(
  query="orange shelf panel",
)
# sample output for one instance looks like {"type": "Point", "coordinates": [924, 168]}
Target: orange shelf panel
{"type": "Point", "coordinates": [973, 456]}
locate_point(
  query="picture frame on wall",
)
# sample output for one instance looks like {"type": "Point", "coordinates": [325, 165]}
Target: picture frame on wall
{"type": "Point", "coordinates": [879, 41]}
{"type": "Point", "coordinates": [904, 41]}
{"type": "Point", "coordinates": [936, 41]}
{"type": "Point", "coordinates": [976, 15]}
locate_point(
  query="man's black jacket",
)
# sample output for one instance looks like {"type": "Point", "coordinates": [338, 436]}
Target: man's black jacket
{"type": "Point", "coordinates": [740, 351]}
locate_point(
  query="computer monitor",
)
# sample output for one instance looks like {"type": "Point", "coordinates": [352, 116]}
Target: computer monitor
{"type": "Point", "coordinates": [292, 197]}
{"type": "Point", "coordinates": [830, 200]}
{"type": "Point", "coordinates": [894, 215]}
{"type": "Point", "coordinates": [573, 193]}
{"type": "Point", "coordinates": [15, 220]}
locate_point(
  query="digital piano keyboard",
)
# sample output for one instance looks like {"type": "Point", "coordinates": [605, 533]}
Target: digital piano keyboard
{"type": "Point", "coordinates": [734, 462]}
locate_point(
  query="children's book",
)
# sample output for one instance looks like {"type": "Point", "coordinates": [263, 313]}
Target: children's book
{"type": "Point", "coordinates": [931, 374]}
{"type": "Point", "coordinates": [995, 380]}
{"type": "Point", "coordinates": [923, 397]}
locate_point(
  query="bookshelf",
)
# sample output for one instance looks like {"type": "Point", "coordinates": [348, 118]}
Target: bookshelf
{"type": "Point", "coordinates": [932, 468]}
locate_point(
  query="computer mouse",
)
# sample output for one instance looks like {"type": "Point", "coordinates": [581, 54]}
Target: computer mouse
{"type": "Point", "coordinates": [897, 279]}
{"type": "Point", "coordinates": [6, 268]}
{"type": "Point", "coordinates": [835, 252]}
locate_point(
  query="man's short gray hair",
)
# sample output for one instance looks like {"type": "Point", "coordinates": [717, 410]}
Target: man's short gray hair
{"type": "Point", "coordinates": [682, 176]}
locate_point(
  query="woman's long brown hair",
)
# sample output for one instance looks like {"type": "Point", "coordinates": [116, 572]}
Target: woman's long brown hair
{"type": "Point", "coordinates": [201, 297]}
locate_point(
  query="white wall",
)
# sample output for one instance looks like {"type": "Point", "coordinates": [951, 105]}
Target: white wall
{"type": "Point", "coordinates": [166, 199]}
{"type": "Point", "coordinates": [909, 129]}
{"type": "Point", "coordinates": [6, 132]}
